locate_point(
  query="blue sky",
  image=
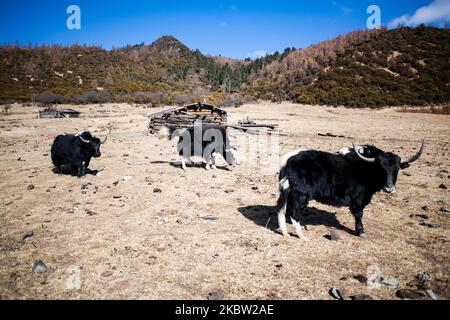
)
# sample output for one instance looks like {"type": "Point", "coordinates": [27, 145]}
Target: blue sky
{"type": "Point", "coordinates": [231, 28]}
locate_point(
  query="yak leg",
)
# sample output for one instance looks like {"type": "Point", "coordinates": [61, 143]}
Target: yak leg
{"type": "Point", "coordinates": [213, 161]}
{"type": "Point", "coordinates": [282, 220]}
{"type": "Point", "coordinates": [183, 163]}
{"type": "Point", "coordinates": [83, 168]}
{"type": "Point", "coordinates": [358, 214]}
{"type": "Point", "coordinates": [298, 203]}
{"type": "Point", "coordinates": [208, 160]}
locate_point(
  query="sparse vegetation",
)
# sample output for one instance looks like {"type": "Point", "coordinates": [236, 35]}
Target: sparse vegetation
{"type": "Point", "coordinates": [405, 66]}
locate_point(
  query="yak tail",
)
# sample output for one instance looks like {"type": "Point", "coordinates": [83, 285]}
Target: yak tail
{"type": "Point", "coordinates": [284, 189]}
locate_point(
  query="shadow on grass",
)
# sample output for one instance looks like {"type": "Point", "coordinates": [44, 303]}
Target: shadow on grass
{"type": "Point", "coordinates": [267, 216]}
{"type": "Point", "coordinates": [67, 170]}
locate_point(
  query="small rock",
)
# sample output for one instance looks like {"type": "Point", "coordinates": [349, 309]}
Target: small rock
{"type": "Point", "coordinates": [423, 216]}
{"type": "Point", "coordinates": [127, 178]}
{"type": "Point", "coordinates": [279, 266]}
{"type": "Point", "coordinates": [361, 297]}
{"type": "Point", "coordinates": [406, 174]}
{"type": "Point", "coordinates": [390, 282]}
{"type": "Point", "coordinates": [425, 208]}
{"type": "Point", "coordinates": [255, 188]}
{"type": "Point", "coordinates": [209, 217]}
{"type": "Point", "coordinates": [115, 183]}
{"type": "Point", "coordinates": [107, 274]}
{"type": "Point", "coordinates": [429, 224]}
{"type": "Point", "coordinates": [157, 190]}
{"type": "Point", "coordinates": [117, 197]}
{"type": "Point", "coordinates": [334, 236]}
{"type": "Point", "coordinates": [336, 293]}
{"type": "Point", "coordinates": [25, 235]}
{"type": "Point", "coordinates": [216, 295]}
{"type": "Point", "coordinates": [30, 187]}
{"type": "Point", "coordinates": [39, 267]}
{"type": "Point", "coordinates": [443, 209]}
{"type": "Point", "coordinates": [431, 294]}
{"type": "Point", "coordinates": [90, 213]}
{"type": "Point", "coordinates": [443, 187]}
{"type": "Point", "coordinates": [361, 278]}
{"type": "Point", "coordinates": [308, 227]}
{"type": "Point", "coordinates": [409, 294]}
{"type": "Point", "coordinates": [216, 256]}
{"type": "Point", "coordinates": [229, 190]}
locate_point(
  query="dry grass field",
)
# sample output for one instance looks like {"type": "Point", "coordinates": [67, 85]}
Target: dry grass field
{"type": "Point", "coordinates": [213, 231]}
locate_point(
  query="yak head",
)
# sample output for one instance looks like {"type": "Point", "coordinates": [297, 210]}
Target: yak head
{"type": "Point", "coordinates": [389, 163]}
{"type": "Point", "coordinates": [91, 143]}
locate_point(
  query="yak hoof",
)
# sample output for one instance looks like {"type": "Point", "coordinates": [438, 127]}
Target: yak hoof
{"type": "Point", "coordinates": [362, 234]}
{"type": "Point", "coordinates": [285, 233]}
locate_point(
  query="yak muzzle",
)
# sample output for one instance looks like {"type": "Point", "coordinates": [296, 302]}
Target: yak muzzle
{"type": "Point", "coordinates": [389, 189]}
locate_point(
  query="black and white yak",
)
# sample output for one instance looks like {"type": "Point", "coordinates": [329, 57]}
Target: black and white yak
{"type": "Point", "coordinates": [202, 140]}
{"type": "Point", "coordinates": [75, 151]}
{"type": "Point", "coordinates": [349, 178]}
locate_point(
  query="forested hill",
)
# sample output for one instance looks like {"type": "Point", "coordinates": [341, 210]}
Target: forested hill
{"type": "Point", "coordinates": [405, 66]}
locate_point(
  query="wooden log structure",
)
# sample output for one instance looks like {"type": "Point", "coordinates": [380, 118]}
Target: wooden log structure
{"type": "Point", "coordinates": [186, 116]}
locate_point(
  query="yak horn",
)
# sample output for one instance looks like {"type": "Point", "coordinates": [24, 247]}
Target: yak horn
{"type": "Point", "coordinates": [371, 160]}
{"type": "Point", "coordinates": [84, 140]}
{"type": "Point", "coordinates": [104, 141]}
{"type": "Point", "coordinates": [416, 156]}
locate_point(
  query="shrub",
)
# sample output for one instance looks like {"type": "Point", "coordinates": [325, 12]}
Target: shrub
{"type": "Point", "coordinates": [181, 100]}
{"type": "Point", "coordinates": [92, 97]}
{"type": "Point", "coordinates": [51, 98]}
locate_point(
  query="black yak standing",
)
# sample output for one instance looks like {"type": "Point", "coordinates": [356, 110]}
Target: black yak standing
{"type": "Point", "coordinates": [345, 179]}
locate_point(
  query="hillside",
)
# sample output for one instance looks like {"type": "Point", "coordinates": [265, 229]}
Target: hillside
{"type": "Point", "coordinates": [406, 66]}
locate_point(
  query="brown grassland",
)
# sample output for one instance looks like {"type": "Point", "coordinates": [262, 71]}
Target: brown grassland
{"type": "Point", "coordinates": [133, 243]}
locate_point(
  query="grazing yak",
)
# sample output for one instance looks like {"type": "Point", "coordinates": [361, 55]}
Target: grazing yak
{"type": "Point", "coordinates": [75, 151]}
{"type": "Point", "coordinates": [202, 140]}
{"type": "Point", "coordinates": [349, 178]}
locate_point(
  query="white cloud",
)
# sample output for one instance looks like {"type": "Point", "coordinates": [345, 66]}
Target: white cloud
{"type": "Point", "coordinates": [438, 10]}
{"type": "Point", "coordinates": [257, 54]}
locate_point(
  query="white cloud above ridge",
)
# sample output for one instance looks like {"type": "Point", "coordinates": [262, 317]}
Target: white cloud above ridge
{"type": "Point", "coordinates": [257, 54]}
{"type": "Point", "coordinates": [438, 10]}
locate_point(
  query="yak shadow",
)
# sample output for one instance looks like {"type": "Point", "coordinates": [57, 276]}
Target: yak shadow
{"type": "Point", "coordinates": [266, 216]}
{"type": "Point", "coordinates": [67, 170]}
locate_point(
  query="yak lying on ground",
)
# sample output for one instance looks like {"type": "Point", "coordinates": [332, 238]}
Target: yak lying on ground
{"type": "Point", "coordinates": [206, 141]}
{"type": "Point", "coordinates": [349, 178]}
{"type": "Point", "coordinates": [75, 151]}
